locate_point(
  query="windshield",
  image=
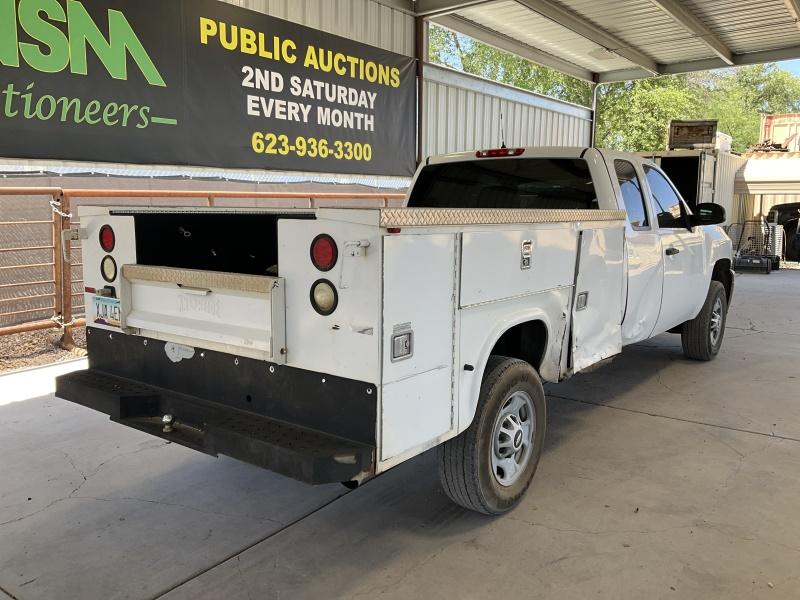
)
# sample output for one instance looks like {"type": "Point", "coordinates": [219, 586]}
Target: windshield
{"type": "Point", "coordinates": [553, 183]}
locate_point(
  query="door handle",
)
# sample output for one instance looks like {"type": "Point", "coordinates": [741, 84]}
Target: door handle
{"type": "Point", "coordinates": [672, 251]}
{"type": "Point", "coordinates": [193, 290]}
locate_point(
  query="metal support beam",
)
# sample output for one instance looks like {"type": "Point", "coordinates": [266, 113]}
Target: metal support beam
{"type": "Point", "coordinates": [498, 40]}
{"type": "Point", "coordinates": [590, 31]}
{"type": "Point", "coordinates": [472, 83]}
{"type": "Point", "coordinates": [684, 17]}
{"type": "Point", "coordinates": [421, 54]}
{"type": "Point", "coordinates": [404, 5]}
{"type": "Point", "coordinates": [794, 8]}
{"type": "Point", "coordinates": [751, 58]}
{"type": "Point", "coordinates": [432, 8]}
{"type": "Point", "coordinates": [593, 132]}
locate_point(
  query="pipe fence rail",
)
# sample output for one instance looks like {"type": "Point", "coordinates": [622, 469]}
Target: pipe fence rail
{"type": "Point", "coordinates": [56, 281]}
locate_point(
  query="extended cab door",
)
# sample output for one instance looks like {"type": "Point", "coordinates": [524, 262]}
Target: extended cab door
{"type": "Point", "coordinates": [685, 284]}
{"type": "Point", "coordinates": [596, 330]}
{"type": "Point", "coordinates": [643, 255]}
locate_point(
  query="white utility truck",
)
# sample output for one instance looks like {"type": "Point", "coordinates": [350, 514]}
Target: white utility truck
{"type": "Point", "coordinates": [331, 345]}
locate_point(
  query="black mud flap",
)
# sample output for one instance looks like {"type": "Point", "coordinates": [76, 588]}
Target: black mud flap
{"type": "Point", "coordinates": [297, 452]}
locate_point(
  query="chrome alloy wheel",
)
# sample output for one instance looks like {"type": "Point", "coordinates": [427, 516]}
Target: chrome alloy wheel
{"type": "Point", "coordinates": [512, 438]}
{"type": "Point", "coordinates": [715, 330]}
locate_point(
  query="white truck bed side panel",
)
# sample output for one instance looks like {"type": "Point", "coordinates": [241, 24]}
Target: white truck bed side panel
{"type": "Point", "coordinates": [419, 296]}
{"type": "Point", "coordinates": [346, 343]}
{"type": "Point", "coordinates": [492, 266]}
{"type": "Point", "coordinates": [597, 331]}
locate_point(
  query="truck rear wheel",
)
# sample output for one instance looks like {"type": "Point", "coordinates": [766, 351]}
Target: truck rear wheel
{"type": "Point", "coordinates": [702, 336]}
{"type": "Point", "coordinates": [489, 467]}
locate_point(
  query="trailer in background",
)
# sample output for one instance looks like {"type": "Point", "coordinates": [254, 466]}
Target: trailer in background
{"type": "Point", "coordinates": [781, 132]}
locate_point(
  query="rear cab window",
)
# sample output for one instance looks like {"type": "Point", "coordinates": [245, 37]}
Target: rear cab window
{"type": "Point", "coordinates": [543, 183]}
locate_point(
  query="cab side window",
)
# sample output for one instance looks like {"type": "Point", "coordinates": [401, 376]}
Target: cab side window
{"type": "Point", "coordinates": [670, 210]}
{"type": "Point", "coordinates": [632, 194]}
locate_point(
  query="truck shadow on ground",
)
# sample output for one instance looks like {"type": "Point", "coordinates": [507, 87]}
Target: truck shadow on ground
{"type": "Point", "coordinates": [372, 540]}
{"type": "Point", "coordinates": [640, 369]}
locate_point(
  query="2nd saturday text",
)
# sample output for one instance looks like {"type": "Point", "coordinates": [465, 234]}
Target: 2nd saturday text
{"type": "Point", "coordinates": [308, 89]}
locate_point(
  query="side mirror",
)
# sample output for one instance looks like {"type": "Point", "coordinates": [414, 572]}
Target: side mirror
{"type": "Point", "coordinates": [708, 213]}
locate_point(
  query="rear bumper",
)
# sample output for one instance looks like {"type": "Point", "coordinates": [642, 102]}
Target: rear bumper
{"type": "Point", "coordinates": [211, 421]}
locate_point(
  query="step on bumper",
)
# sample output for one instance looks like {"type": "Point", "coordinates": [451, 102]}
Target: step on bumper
{"type": "Point", "coordinates": [214, 429]}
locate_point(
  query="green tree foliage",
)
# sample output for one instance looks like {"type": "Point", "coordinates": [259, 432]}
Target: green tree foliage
{"type": "Point", "coordinates": [463, 53]}
{"type": "Point", "coordinates": [738, 97]}
{"type": "Point", "coordinates": [635, 115]}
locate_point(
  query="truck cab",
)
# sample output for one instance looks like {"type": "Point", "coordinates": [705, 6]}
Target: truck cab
{"type": "Point", "coordinates": [670, 257]}
{"type": "Point", "coordinates": [671, 253]}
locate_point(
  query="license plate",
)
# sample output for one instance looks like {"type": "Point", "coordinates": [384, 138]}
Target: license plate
{"type": "Point", "coordinates": [107, 311]}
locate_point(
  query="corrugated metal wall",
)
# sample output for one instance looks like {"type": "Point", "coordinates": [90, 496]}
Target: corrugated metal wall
{"type": "Point", "coordinates": [462, 112]}
{"type": "Point", "coordinates": [364, 21]}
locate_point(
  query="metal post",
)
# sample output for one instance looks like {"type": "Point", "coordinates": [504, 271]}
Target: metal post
{"type": "Point", "coordinates": [421, 54]}
{"type": "Point", "coordinates": [65, 223]}
{"type": "Point", "coordinates": [58, 263]}
{"type": "Point", "coordinates": [593, 134]}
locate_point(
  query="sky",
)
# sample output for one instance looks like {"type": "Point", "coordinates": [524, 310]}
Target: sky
{"type": "Point", "coordinates": [793, 66]}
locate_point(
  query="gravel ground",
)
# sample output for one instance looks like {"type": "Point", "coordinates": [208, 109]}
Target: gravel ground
{"type": "Point", "coordinates": [37, 348]}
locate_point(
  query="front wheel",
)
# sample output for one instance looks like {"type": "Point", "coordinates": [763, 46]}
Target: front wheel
{"type": "Point", "coordinates": [702, 336]}
{"type": "Point", "coordinates": [489, 467]}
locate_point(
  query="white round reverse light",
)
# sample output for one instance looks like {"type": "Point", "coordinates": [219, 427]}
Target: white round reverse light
{"type": "Point", "coordinates": [108, 268]}
{"type": "Point", "coordinates": [324, 297]}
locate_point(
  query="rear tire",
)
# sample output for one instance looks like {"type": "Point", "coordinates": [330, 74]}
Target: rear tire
{"type": "Point", "coordinates": [489, 467]}
{"type": "Point", "coordinates": [702, 336]}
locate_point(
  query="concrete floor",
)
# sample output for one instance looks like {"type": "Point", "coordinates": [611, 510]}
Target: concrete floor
{"type": "Point", "coordinates": [662, 478]}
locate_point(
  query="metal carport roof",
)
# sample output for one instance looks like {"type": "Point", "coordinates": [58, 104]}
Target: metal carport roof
{"type": "Point", "coordinates": [618, 40]}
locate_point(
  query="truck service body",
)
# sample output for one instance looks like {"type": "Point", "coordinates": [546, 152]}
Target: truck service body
{"type": "Point", "coordinates": [333, 344]}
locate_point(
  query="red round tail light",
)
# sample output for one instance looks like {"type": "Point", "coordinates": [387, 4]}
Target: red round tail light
{"type": "Point", "coordinates": [107, 238]}
{"type": "Point", "coordinates": [324, 252]}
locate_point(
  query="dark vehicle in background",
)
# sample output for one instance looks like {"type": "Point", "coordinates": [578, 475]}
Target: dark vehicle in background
{"type": "Point", "coordinates": [788, 216]}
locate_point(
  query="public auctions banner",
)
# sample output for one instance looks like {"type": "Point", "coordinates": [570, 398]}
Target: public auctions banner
{"type": "Point", "coordinates": [198, 82]}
